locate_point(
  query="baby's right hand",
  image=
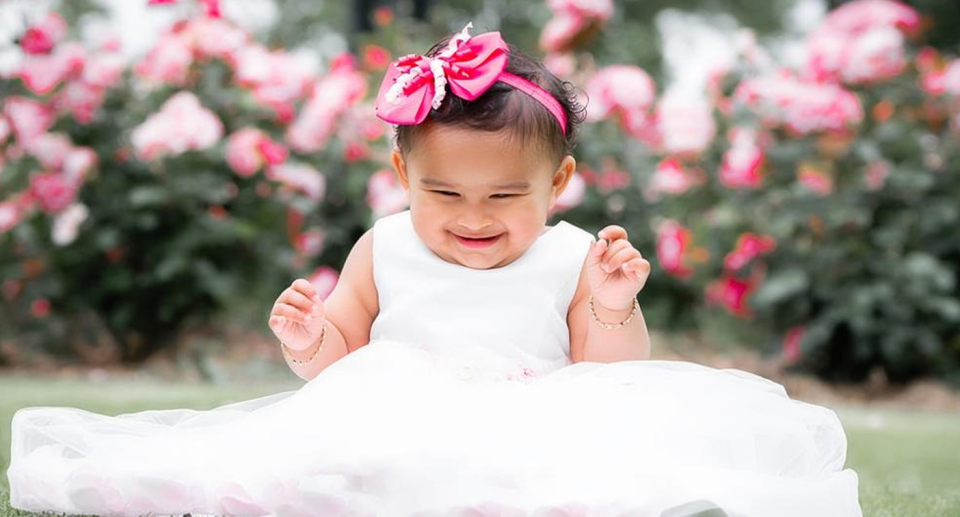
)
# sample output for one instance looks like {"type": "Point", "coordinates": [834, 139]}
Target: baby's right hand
{"type": "Point", "coordinates": [298, 315]}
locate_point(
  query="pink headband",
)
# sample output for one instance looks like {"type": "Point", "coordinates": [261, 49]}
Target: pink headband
{"type": "Point", "coordinates": [470, 65]}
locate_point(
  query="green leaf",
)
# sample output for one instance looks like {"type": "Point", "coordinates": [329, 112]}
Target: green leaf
{"type": "Point", "coordinates": [781, 286]}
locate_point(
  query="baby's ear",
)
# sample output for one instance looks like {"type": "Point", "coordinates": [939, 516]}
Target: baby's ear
{"type": "Point", "coordinates": [561, 178]}
{"type": "Point", "coordinates": [400, 168]}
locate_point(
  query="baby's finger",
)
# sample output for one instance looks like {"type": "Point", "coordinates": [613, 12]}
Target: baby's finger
{"type": "Point", "coordinates": [638, 266]}
{"type": "Point", "coordinates": [297, 299]}
{"type": "Point", "coordinates": [612, 233]}
{"type": "Point", "coordinates": [305, 287]}
{"type": "Point", "coordinates": [291, 313]}
{"type": "Point", "coordinates": [615, 247]}
{"type": "Point", "coordinates": [620, 258]}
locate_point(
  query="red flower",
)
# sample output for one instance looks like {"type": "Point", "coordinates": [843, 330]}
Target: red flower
{"type": "Point", "coordinates": [40, 307]}
{"type": "Point", "coordinates": [732, 293]}
{"type": "Point", "coordinates": [791, 342]}
{"type": "Point", "coordinates": [748, 247]}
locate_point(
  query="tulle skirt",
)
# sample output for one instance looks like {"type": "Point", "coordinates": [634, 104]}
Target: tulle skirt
{"type": "Point", "coordinates": [393, 430]}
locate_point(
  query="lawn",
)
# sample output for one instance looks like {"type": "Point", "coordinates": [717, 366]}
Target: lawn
{"type": "Point", "coordinates": [908, 461]}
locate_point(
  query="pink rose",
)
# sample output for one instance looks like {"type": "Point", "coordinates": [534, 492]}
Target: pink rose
{"type": "Point", "coordinates": [182, 124]}
{"type": "Point", "coordinates": [671, 177]}
{"type": "Point", "coordinates": [52, 191]}
{"type": "Point", "coordinates": [385, 195]}
{"type": "Point", "coordinates": [324, 279]}
{"type": "Point", "coordinates": [685, 125]}
{"type": "Point", "coordinates": [861, 41]}
{"type": "Point", "coordinates": [673, 246]}
{"type": "Point", "coordinates": [815, 179]}
{"type": "Point", "coordinates": [29, 118]}
{"type": "Point", "coordinates": [791, 343]}
{"type": "Point", "coordinates": [803, 107]}
{"type": "Point", "coordinates": [243, 155]}
{"type": "Point", "coordinates": [732, 293]}
{"type": "Point", "coordinates": [742, 161]}
{"type": "Point", "coordinates": [300, 177]}
{"type": "Point", "coordinates": [619, 89]}
{"type": "Point", "coordinates": [168, 61]}
{"type": "Point", "coordinates": [749, 246]}
{"type": "Point", "coordinates": [42, 37]}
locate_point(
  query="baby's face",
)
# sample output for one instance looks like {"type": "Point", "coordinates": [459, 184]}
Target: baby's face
{"type": "Point", "coordinates": [477, 199]}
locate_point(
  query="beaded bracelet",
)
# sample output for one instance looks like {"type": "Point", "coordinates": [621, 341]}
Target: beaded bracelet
{"type": "Point", "coordinates": [614, 326]}
{"type": "Point", "coordinates": [323, 335]}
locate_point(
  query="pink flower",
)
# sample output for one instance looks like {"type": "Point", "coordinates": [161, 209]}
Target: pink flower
{"type": "Point", "coordinates": [951, 78]}
{"type": "Point", "coordinates": [53, 191]}
{"type": "Point", "coordinates": [385, 195]}
{"type": "Point", "coordinates": [749, 246]}
{"type": "Point", "coordinates": [343, 87]}
{"type": "Point", "coordinates": [876, 174]}
{"type": "Point", "coordinates": [81, 99]}
{"type": "Point", "coordinates": [277, 79]}
{"type": "Point", "coordinates": [861, 41]}
{"type": "Point", "coordinates": [742, 161]}
{"type": "Point", "coordinates": [572, 195]}
{"type": "Point", "coordinates": [10, 215]}
{"type": "Point", "coordinates": [560, 64]}
{"type": "Point", "coordinates": [324, 279]}
{"type": "Point", "coordinates": [310, 242]}
{"type": "Point", "coordinates": [673, 245]}
{"type": "Point", "coordinates": [5, 130]}
{"type": "Point", "coordinates": [66, 224]}
{"type": "Point", "coordinates": [214, 37]}
{"type": "Point", "coordinates": [686, 126]}
{"type": "Point", "coordinates": [355, 151]}
{"type": "Point", "coordinates": [803, 107]}
{"type": "Point", "coordinates": [619, 89]}
{"type": "Point", "coordinates": [613, 180]}
{"type": "Point", "coordinates": [571, 20]}
{"type": "Point", "coordinates": [671, 177]}
{"type": "Point", "coordinates": [29, 118]}
{"type": "Point", "coordinates": [732, 293]}
{"type": "Point", "coordinates": [815, 179]}
{"type": "Point", "coordinates": [249, 149]}
{"type": "Point", "coordinates": [167, 62]}
{"type": "Point", "coordinates": [376, 57]}
{"type": "Point", "coordinates": [182, 124]}
{"type": "Point", "coordinates": [791, 342]}
{"type": "Point", "coordinates": [42, 37]}
{"type": "Point", "coordinates": [300, 177]}
{"type": "Point", "coordinates": [50, 149]}
{"type": "Point", "coordinates": [77, 164]}
{"type": "Point", "coordinates": [42, 73]}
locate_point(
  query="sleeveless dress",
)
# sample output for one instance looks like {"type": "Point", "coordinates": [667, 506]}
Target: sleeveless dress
{"type": "Point", "coordinates": [464, 403]}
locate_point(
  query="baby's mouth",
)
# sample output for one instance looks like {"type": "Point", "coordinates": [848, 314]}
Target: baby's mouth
{"type": "Point", "coordinates": [477, 242]}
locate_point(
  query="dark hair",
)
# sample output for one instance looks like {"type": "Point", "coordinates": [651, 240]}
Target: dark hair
{"type": "Point", "coordinates": [504, 107]}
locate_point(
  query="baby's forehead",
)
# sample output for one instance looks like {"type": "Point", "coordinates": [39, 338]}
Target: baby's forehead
{"type": "Point", "coordinates": [469, 151]}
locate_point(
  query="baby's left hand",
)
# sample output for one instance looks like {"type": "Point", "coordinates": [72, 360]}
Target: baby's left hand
{"type": "Point", "coordinates": [616, 272]}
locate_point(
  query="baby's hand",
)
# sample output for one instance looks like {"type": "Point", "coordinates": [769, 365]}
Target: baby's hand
{"type": "Point", "coordinates": [297, 317]}
{"type": "Point", "coordinates": [616, 271]}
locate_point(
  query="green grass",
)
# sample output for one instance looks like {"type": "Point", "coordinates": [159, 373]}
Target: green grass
{"type": "Point", "coordinates": [908, 462]}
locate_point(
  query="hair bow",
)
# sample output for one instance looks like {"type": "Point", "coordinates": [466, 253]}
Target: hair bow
{"type": "Point", "coordinates": [415, 84]}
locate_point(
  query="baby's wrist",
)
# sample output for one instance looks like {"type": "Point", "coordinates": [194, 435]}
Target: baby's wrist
{"type": "Point", "coordinates": [611, 318]}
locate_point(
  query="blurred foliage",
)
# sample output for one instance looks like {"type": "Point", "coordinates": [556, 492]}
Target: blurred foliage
{"type": "Point", "coordinates": [869, 275]}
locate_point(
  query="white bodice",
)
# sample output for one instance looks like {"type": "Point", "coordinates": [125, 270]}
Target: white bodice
{"type": "Point", "coordinates": [518, 311]}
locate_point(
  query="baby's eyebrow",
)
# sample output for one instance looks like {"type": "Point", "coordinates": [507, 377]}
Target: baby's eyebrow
{"type": "Point", "coordinates": [516, 185]}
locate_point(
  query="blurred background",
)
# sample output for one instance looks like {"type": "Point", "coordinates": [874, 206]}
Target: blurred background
{"type": "Point", "coordinates": [789, 167]}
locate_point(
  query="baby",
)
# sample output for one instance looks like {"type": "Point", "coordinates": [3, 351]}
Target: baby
{"type": "Point", "coordinates": [483, 170]}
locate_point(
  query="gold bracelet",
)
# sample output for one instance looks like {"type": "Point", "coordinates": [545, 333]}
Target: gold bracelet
{"type": "Point", "coordinates": [323, 335]}
{"type": "Point", "coordinates": [613, 326]}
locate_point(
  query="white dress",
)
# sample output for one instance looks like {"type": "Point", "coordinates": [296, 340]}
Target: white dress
{"type": "Point", "coordinates": [464, 403]}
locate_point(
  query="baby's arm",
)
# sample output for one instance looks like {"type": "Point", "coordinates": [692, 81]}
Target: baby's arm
{"type": "Point", "coordinates": [349, 312]}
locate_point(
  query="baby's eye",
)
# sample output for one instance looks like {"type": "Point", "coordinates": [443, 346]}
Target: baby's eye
{"type": "Point", "coordinates": [446, 193]}
{"type": "Point", "coordinates": [500, 196]}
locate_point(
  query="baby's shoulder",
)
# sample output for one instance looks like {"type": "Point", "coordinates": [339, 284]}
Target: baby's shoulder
{"type": "Point", "coordinates": [354, 303]}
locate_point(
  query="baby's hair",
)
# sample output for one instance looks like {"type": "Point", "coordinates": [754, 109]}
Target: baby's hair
{"type": "Point", "coordinates": [504, 107]}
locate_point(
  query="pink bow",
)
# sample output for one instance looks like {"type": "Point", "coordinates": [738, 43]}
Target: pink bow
{"type": "Point", "coordinates": [414, 84]}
